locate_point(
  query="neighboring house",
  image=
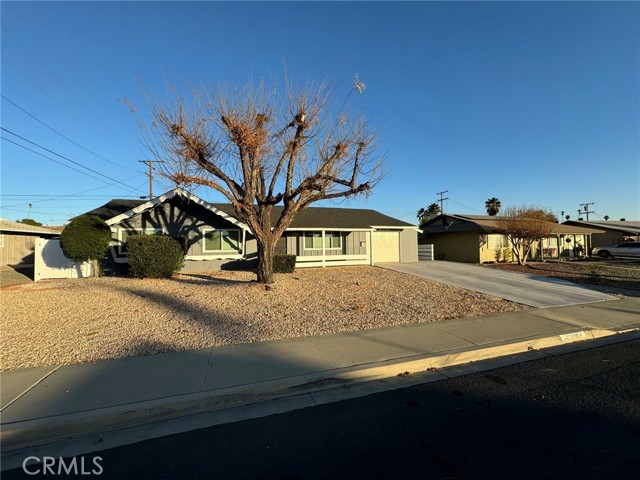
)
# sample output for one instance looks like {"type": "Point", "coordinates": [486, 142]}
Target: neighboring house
{"type": "Point", "coordinates": [18, 240]}
{"type": "Point", "coordinates": [217, 239]}
{"type": "Point", "coordinates": [613, 232]}
{"type": "Point", "coordinates": [477, 238]}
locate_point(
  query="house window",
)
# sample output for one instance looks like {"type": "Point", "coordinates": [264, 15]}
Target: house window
{"type": "Point", "coordinates": [313, 240]}
{"type": "Point", "coordinates": [222, 241]}
{"type": "Point", "coordinates": [125, 233]}
{"type": "Point", "coordinates": [497, 241]}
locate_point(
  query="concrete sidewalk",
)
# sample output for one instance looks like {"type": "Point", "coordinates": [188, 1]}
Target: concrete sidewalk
{"type": "Point", "coordinates": [49, 404]}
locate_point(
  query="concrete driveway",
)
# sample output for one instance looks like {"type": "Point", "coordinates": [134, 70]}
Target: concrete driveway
{"type": "Point", "coordinates": [533, 290]}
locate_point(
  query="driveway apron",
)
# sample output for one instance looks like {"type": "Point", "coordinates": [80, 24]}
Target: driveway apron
{"type": "Point", "coordinates": [533, 290]}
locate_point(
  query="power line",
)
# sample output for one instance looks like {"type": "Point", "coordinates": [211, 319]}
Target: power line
{"type": "Point", "coordinates": [61, 156]}
{"type": "Point", "coordinates": [62, 135]}
{"type": "Point", "coordinates": [77, 195]}
{"type": "Point", "coordinates": [52, 159]}
{"type": "Point", "coordinates": [106, 125]}
{"type": "Point", "coordinates": [69, 68]}
{"type": "Point", "coordinates": [465, 206]}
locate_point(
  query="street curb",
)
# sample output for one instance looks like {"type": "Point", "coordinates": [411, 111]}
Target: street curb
{"type": "Point", "coordinates": [31, 433]}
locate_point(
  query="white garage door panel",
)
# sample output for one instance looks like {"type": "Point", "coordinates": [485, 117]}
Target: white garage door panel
{"type": "Point", "coordinates": [386, 247]}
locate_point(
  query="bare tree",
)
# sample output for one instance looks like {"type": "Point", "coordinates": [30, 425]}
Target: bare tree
{"type": "Point", "coordinates": [523, 226]}
{"type": "Point", "coordinates": [260, 149]}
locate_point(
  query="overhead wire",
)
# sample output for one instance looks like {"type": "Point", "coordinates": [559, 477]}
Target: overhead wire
{"type": "Point", "coordinates": [61, 156]}
{"type": "Point", "coordinates": [62, 135]}
{"type": "Point", "coordinates": [69, 91]}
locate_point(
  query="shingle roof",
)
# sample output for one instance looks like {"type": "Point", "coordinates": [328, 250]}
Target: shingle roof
{"type": "Point", "coordinates": [114, 207]}
{"type": "Point", "coordinates": [17, 227]}
{"type": "Point", "coordinates": [484, 223]}
{"type": "Point", "coordinates": [630, 227]}
{"type": "Point", "coordinates": [312, 217]}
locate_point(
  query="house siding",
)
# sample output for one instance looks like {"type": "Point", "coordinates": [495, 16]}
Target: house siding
{"type": "Point", "coordinates": [408, 246]}
{"type": "Point", "coordinates": [17, 249]}
{"type": "Point", "coordinates": [350, 245]}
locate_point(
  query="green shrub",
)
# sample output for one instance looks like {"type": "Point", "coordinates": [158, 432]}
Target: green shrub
{"type": "Point", "coordinates": [87, 237]}
{"type": "Point", "coordinates": [154, 256]}
{"type": "Point", "coordinates": [284, 263]}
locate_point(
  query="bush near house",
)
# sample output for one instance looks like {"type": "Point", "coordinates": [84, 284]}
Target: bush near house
{"type": "Point", "coordinates": [284, 263]}
{"type": "Point", "coordinates": [154, 256]}
{"type": "Point", "coordinates": [86, 238]}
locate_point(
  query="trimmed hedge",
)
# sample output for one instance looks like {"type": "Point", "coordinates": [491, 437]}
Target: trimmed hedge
{"type": "Point", "coordinates": [154, 256]}
{"type": "Point", "coordinates": [284, 263]}
{"type": "Point", "coordinates": [87, 237]}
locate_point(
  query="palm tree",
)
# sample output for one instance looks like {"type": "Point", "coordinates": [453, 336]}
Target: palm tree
{"type": "Point", "coordinates": [431, 211]}
{"type": "Point", "coordinates": [493, 206]}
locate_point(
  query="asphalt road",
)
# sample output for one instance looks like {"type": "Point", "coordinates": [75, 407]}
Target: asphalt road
{"type": "Point", "coordinates": [568, 417]}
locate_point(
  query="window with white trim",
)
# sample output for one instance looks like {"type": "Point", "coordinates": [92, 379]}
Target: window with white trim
{"type": "Point", "coordinates": [227, 241]}
{"type": "Point", "coordinates": [497, 241]}
{"type": "Point", "coordinates": [313, 240]}
{"type": "Point", "coordinates": [125, 233]}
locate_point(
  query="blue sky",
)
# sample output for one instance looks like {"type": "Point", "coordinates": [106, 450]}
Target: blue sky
{"type": "Point", "coordinates": [533, 103]}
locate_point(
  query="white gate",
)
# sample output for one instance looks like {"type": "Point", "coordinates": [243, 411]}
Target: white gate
{"type": "Point", "coordinates": [50, 262]}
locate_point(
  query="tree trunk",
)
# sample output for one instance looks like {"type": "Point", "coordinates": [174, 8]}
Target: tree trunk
{"type": "Point", "coordinates": [265, 261]}
{"type": "Point", "coordinates": [96, 267]}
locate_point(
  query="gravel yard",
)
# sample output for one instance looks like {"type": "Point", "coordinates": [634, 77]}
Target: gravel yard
{"type": "Point", "coordinates": [82, 320]}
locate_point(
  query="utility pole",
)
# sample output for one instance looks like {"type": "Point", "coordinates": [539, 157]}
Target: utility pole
{"type": "Point", "coordinates": [586, 209]}
{"type": "Point", "coordinates": [150, 174]}
{"type": "Point", "coordinates": [442, 200]}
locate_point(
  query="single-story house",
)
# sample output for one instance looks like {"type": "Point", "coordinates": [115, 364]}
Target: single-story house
{"type": "Point", "coordinates": [217, 238]}
{"type": "Point", "coordinates": [612, 232]}
{"type": "Point", "coordinates": [478, 239]}
{"type": "Point", "coordinates": [18, 242]}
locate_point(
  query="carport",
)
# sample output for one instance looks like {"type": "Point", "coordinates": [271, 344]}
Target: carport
{"type": "Point", "coordinates": [533, 290]}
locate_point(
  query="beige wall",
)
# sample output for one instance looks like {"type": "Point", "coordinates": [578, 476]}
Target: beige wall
{"type": "Point", "coordinates": [17, 249]}
{"type": "Point", "coordinates": [408, 245]}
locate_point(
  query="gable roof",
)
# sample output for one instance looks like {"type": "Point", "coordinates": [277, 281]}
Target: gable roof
{"type": "Point", "coordinates": [116, 210]}
{"type": "Point", "coordinates": [17, 227]}
{"type": "Point", "coordinates": [630, 228]}
{"type": "Point", "coordinates": [445, 223]}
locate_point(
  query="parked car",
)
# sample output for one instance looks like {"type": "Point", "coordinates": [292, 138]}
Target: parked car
{"type": "Point", "coordinates": [629, 249]}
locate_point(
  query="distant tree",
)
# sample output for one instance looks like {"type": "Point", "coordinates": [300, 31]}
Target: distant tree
{"type": "Point", "coordinates": [523, 226]}
{"type": "Point", "coordinates": [493, 206]}
{"type": "Point", "coordinates": [87, 237]}
{"type": "Point", "coordinates": [30, 221]}
{"type": "Point", "coordinates": [427, 214]}
{"type": "Point", "coordinates": [606, 218]}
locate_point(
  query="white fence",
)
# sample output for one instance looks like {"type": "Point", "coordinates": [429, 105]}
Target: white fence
{"type": "Point", "coordinates": [425, 252]}
{"type": "Point", "coordinates": [331, 260]}
{"type": "Point", "coordinates": [50, 262]}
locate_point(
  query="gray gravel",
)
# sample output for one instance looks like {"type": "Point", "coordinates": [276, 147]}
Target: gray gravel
{"type": "Point", "coordinates": [82, 320]}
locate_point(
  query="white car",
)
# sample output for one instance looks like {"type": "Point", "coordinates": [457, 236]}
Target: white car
{"type": "Point", "coordinates": [629, 249]}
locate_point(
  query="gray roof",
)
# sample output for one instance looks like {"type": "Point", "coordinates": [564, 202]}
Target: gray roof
{"type": "Point", "coordinates": [449, 222]}
{"type": "Point", "coordinates": [631, 227]}
{"type": "Point", "coordinates": [17, 227]}
{"type": "Point", "coordinates": [114, 208]}
{"type": "Point", "coordinates": [312, 217]}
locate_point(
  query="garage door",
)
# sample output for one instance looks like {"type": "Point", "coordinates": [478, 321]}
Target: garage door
{"type": "Point", "coordinates": [386, 247]}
